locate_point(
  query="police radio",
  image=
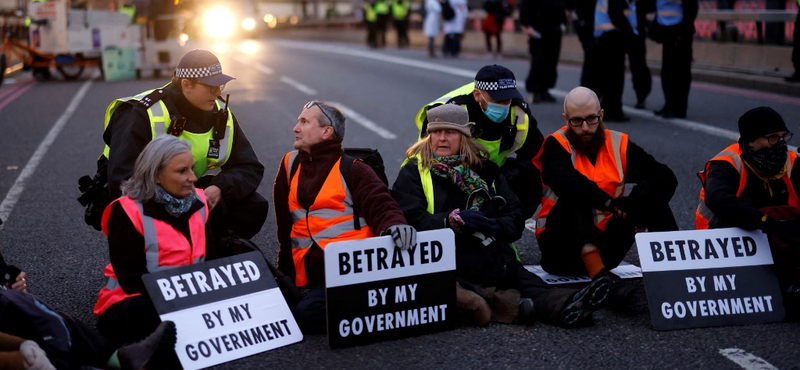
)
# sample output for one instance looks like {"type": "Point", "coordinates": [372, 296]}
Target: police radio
{"type": "Point", "coordinates": [219, 130]}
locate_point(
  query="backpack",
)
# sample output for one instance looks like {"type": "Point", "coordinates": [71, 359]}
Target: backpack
{"type": "Point", "coordinates": [369, 156]}
{"type": "Point", "coordinates": [448, 13]}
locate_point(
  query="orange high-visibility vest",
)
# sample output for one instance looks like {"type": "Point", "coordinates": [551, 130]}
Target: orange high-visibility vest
{"type": "Point", "coordinates": [608, 173]}
{"type": "Point", "coordinates": [164, 246]}
{"type": "Point", "coordinates": [329, 219]}
{"type": "Point", "coordinates": [733, 155]}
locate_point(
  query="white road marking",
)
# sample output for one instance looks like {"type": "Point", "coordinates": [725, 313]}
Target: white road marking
{"type": "Point", "coordinates": [19, 185]}
{"type": "Point", "coordinates": [367, 123]}
{"type": "Point", "coordinates": [297, 85]}
{"type": "Point", "coordinates": [264, 69]}
{"type": "Point", "coordinates": [682, 123]}
{"type": "Point", "coordinates": [746, 360]}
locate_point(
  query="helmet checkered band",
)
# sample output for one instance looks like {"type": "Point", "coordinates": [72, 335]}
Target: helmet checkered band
{"type": "Point", "coordinates": [209, 71]}
{"type": "Point", "coordinates": [501, 84]}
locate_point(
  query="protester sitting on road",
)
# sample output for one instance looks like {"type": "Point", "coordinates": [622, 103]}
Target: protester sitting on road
{"type": "Point", "coordinates": [586, 222]}
{"type": "Point", "coordinates": [190, 107]}
{"type": "Point", "coordinates": [447, 182]}
{"type": "Point", "coordinates": [503, 125]}
{"type": "Point", "coordinates": [34, 336]}
{"type": "Point", "coordinates": [315, 202]}
{"type": "Point", "coordinates": [159, 222]}
{"type": "Point", "coordinates": [753, 184]}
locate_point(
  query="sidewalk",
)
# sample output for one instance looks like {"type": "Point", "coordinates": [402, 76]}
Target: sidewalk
{"type": "Point", "coordinates": [747, 66]}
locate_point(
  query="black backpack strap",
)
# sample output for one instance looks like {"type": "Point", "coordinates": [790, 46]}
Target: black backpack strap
{"type": "Point", "coordinates": [344, 168]}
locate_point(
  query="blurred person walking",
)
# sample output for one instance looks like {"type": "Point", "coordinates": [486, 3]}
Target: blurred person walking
{"type": "Point", "coordinates": [542, 21]}
{"type": "Point", "coordinates": [431, 26]}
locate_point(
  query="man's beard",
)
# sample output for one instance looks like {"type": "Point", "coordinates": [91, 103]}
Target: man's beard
{"type": "Point", "coordinates": [588, 144]}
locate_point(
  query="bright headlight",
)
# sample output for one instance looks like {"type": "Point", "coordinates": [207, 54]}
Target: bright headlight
{"type": "Point", "coordinates": [249, 24]}
{"type": "Point", "coordinates": [219, 23]}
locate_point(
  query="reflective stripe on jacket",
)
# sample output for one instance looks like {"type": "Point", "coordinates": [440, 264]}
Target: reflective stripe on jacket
{"type": "Point", "coordinates": [159, 124]}
{"type": "Point", "coordinates": [608, 173]}
{"type": "Point", "coordinates": [630, 14]}
{"type": "Point", "coordinates": [669, 12]}
{"type": "Point", "coordinates": [164, 246]}
{"type": "Point", "coordinates": [519, 119]}
{"type": "Point", "coordinates": [329, 219]}
{"type": "Point", "coordinates": [400, 9]}
{"type": "Point", "coordinates": [703, 216]}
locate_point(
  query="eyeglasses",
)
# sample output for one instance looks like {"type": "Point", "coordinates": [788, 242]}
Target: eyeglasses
{"type": "Point", "coordinates": [578, 121]}
{"type": "Point", "coordinates": [319, 105]}
{"type": "Point", "coordinates": [214, 89]}
{"type": "Point", "coordinates": [775, 138]}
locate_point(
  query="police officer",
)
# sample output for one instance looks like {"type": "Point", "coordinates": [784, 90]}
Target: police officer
{"type": "Point", "coordinates": [542, 21]}
{"type": "Point", "coordinates": [637, 51]}
{"type": "Point", "coordinates": [400, 13]}
{"type": "Point", "coordinates": [503, 125]}
{"type": "Point", "coordinates": [612, 30]}
{"type": "Point", "coordinates": [190, 107]}
{"type": "Point", "coordinates": [674, 28]}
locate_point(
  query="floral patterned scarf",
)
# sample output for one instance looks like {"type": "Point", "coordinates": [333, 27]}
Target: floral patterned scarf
{"type": "Point", "coordinates": [468, 182]}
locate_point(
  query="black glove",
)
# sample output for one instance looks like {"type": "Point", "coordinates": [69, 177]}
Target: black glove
{"type": "Point", "coordinates": [404, 236]}
{"type": "Point", "coordinates": [786, 231]}
{"type": "Point", "coordinates": [473, 221]}
{"type": "Point", "coordinates": [625, 207]}
{"type": "Point", "coordinates": [493, 228]}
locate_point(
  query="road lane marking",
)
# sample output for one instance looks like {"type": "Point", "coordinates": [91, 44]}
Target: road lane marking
{"type": "Point", "coordinates": [682, 123]}
{"type": "Point", "coordinates": [366, 122]}
{"type": "Point", "coordinates": [19, 185]}
{"type": "Point", "coordinates": [746, 360]}
{"type": "Point", "coordinates": [264, 69]}
{"type": "Point", "coordinates": [10, 96]}
{"type": "Point", "coordinates": [297, 85]}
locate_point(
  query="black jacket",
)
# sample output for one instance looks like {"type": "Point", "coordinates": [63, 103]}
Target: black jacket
{"type": "Point", "coordinates": [129, 132]}
{"type": "Point", "coordinates": [655, 182]}
{"type": "Point", "coordinates": [474, 261]}
{"type": "Point", "coordinates": [743, 211]}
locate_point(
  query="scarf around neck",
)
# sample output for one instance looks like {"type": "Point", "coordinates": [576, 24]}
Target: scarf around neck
{"type": "Point", "coordinates": [174, 206]}
{"type": "Point", "coordinates": [468, 182]}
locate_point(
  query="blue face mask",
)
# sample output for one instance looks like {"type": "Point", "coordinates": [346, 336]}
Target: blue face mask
{"type": "Point", "coordinates": [496, 112]}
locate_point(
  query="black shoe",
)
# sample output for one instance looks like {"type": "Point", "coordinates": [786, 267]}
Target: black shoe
{"type": "Point", "coordinates": [536, 98]}
{"type": "Point", "coordinates": [793, 78]}
{"type": "Point", "coordinates": [639, 104]}
{"type": "Point", "coordinates": [660, 111]}
{"type": "Point", "coordinates": [617, 118]}
{"type": "Point", "coordinates": [670, 114]}
{"type": "Point", "coordinates": [622, 295]}
{"type": "Point", "coordinates": [579, 308]}
{"type": "Point", "coordinates": [527, 312]}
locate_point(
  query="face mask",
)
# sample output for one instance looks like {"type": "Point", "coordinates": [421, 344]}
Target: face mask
{"type": "Point", "coordinates": [768, 161]}
{"type": "Point", "coordinates": [496, 112]}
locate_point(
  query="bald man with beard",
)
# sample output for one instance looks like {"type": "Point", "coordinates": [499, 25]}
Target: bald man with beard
{"type": "Point", "coordinates": [587, 224]}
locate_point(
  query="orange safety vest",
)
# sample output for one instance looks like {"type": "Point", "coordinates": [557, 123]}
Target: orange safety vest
{"type": "Point", "coordinates": [164, 247]}
{"type": "Point", "coordinates": [608, 173]}
{"type": "Point", "coordinates": [733, 155]}
{"type": "Point", "coordinates": [329, 219]}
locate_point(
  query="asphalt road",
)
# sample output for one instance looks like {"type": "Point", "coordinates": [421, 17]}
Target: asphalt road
{"type": "Point", "coordinates": [51, 135]}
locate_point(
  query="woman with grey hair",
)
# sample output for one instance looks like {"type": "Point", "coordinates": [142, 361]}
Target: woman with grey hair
{"type": "Point", "coordinates": [159, 222]}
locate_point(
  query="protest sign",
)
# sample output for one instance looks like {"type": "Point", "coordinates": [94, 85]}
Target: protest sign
{"type": "Point", "coordinates": [377, 292]}
{"type": "Point", "coordinates": [223, 309]}
{"type": "Point", "coordinates": [624, 270]}
{"type": "Point", "coordinates": [701, 278]}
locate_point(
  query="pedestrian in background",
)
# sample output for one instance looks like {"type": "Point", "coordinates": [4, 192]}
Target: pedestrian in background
{"type": "Point", "coordinates": [542, 21]}
{"type": "Point", "coordinates": [371, 22]}
{"type": "Point", "coordinates": [636, 50]}
{"type": "Point", "coordinates": [381, 8]}
{"type": "Point", "coordinates": [492, 25]}
{"type": "Point", "coordinates": [582, 14]}
{"type": "Point", "coordinates": [673, 27]}
{"type": "Point", "coordinates": [796, 50]}
{"type": "Point", "coordinates": [613, 31]}
{"type": "Point", "coordinates": [400, 12]}
{"type": "Point", "coordinates": [454, 29]}
{"type": "Point", "coordinates": [431, 25]}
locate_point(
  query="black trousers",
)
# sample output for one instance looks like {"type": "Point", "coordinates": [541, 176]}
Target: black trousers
{"type": "Point", "coordinates": [637, 61]}
{"type": "Point", "coordinates": [570, 227]}
{"type": "Point", "coordinates": [452, 45]}
{"type": "Point", "coordinates": [796, 42]}
{"type": "Point", "coordinates": [676, 74]}
{"type": "Point", "coordinates": [401, 26]}
{"type": "Point", "coordinates": [590, 71]}
{"type": "Point", "coordinates": [88, 347]}
{"type": "Point", "coordinates": [544, 52]}
{"type": "Point", "coordinates": [372, 34]}
{"type": "Point", "coordinates": [612, 72]}
{"type": "Point", "coordinates": [381, 25]}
